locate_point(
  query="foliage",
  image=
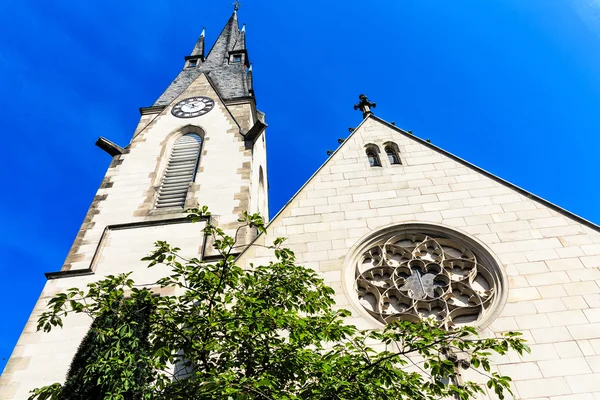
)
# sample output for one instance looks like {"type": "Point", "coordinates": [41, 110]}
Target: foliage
{"type": "Point", "coordinates": [130, 320]}
{"type": "Point", "coordinates": [267, 332]}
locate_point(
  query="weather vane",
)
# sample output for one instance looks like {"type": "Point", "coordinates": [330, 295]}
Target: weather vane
{"type": "Point", "coordinates": [236, 5]}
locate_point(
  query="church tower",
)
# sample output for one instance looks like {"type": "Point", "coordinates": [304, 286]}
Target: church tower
{"type": "Point", "coordinates": [400, 229]}
{"type": "Point", "coordinates": [202, 142]}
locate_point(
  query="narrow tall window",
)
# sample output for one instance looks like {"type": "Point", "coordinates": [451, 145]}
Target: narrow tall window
{"type": "Point", "coordinates": [262, 203]}
{"type": "Point", "coordinates": [392, 155]}
{"type": "Point", "coordinates": [181, 170]}
{"type": "Point", "coordinates": [373, 158]}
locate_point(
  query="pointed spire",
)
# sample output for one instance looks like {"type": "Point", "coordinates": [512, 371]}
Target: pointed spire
{"type": "Point", "coordinates": [226, 64]}
{"type": "Point", "coordinates": [199, 47]}
{"type": "Point", "coordinates": [225, 42]}
{"type": "Point", "coordinates": [240, 43]}
{"type": "Point", "coordinates": [249, 80]}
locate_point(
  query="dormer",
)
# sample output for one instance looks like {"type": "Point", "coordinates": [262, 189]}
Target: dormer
{"type": "Point", "coordinates": [239, 57]}
{"type": "Point", "coordinates": [193, 61]}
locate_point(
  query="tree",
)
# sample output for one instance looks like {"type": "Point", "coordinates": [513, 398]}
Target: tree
{"type": "Point", "coordinates": [130, 315]}
{"type": "Point", "coordinates": [268, 332]}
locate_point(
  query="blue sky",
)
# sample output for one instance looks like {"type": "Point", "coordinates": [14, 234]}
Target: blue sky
{"type": "Point", "coordinates": [512, 86]}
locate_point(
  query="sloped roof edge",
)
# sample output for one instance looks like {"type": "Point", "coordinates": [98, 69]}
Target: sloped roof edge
{"type": "Point", "coordinates": [300, 189]}
{"type": "Point", "coordinates": [496, 178]}
{"type": "Point", "coordinates": [467, 164]}
{"type": "Point", "coordinates": [316, 172]}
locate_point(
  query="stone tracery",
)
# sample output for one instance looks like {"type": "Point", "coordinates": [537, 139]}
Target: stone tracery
{"type": "Point", "coordinates": [412, 276]}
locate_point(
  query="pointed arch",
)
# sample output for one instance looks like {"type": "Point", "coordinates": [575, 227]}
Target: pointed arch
{"type": "Point", "coordinates": [393, 153]}
{"type": "Point", "coordinates": [180, 172]}
{"type": "Point", "coordinates": [372, 152]}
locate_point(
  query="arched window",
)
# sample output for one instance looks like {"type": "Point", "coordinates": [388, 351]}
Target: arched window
{"type": "Point", "coordinates": [392, 155]}
{"type": "Point", "coordinates": [373, 158]}
{"type": "Point", "coordinates": [181, 170]}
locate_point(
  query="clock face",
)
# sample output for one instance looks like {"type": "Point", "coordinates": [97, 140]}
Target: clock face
{"type": "Point", "coordinates": [193, 107]}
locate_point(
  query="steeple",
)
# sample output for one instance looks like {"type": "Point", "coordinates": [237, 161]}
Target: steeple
{"type": "Point", "coordinates": [226, 65]}
{"type": "Point", "coordinates": [199, 47]}
{"type": "Point", "coordinates": [225, 43]}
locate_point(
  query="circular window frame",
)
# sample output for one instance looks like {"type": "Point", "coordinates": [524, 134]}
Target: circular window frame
{"type": "Point", "coordinates": [480, 249]}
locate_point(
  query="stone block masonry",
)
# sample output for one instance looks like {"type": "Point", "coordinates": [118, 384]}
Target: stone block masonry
{"type": "Point", "coordinates": [551, 260]}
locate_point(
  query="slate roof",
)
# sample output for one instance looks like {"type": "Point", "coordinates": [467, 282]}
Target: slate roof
{"type": "Point", "coordinates": [199, 47]}
{"type": "Point", "coordinates": [230, 80]}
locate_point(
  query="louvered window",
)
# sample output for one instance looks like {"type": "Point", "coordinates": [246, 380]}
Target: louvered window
{"type": "Point", "coordinates": [181, 170]}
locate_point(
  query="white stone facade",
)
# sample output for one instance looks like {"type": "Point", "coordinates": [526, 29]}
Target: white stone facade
{"type": "Point", "coordinates": [123, 224]}
{"type": "Point", "coordinates": [549, 259]}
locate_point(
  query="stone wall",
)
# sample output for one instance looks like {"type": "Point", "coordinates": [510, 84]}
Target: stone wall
{"type": "Point", "coordinates": [129, 190]}
{"type": "Point", "coordinates": [40, 358]}
{"type": "Point", "coordinates": [551, 260]}
{"type": "Point", "coordinates": [122, 224]}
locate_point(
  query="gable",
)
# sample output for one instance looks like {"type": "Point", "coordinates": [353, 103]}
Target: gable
{"type": "Point", "coordinates": [539, 248]}
{"type": "Point", "coordinates": [549, 258]}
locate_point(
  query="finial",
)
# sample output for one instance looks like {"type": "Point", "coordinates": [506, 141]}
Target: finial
{"type": "Point", "coordinates": [203, 32]}
{"type": "Point", "coordinates": [250, 68]}
{"type": "Point", "coordinates": [236, 5]}
{"type": "Point", "coordinates": [364, 105]}
{"type": "Point", "coordinates": [244, 28]}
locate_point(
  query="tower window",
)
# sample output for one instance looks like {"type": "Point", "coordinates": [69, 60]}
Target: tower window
{"type": "Point", "coordinates": [373, 158]}
{"type": "Point", "coordinates": [237, 58]}
{"type": "Point", "coordinates": [392, 152]}
{"type": "Point", "coordinates": [392, 155]}
{"type": "Point", "coordinates": [180, 172]}
{"type": "Point", "coordinates": [193, 63]}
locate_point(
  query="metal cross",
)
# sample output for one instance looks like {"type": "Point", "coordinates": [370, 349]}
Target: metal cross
{"type": "Point", "coordinates": [364, 105]}
{"type": "Point", "coordinates": [236, 5]}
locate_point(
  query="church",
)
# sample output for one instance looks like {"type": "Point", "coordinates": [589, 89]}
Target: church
{"type": "Point", "coordinates": [463, 245]}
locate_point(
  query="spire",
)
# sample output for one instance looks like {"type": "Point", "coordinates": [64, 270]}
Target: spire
{"type": "Point", "coordinates": [225, 42]}
{"type": "Point", "coordinates": [199, 47]}
{"type": "Point", "coordinates": [249, 80]}
{"type": "Point", "coordinates": [225, 64]}
{"type": "Point", "coordinates": [240, 44]}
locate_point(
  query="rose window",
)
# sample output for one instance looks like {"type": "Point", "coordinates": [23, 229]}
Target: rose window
{"type": "Point", "coordinates": [413, 276]}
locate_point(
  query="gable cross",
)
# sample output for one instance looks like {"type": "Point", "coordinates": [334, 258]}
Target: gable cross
{"type": "Point", "coordinates": [364, 105]}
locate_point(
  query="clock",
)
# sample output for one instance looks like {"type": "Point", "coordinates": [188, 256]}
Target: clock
{"type": "Point", "coordinates": [193, 107]}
